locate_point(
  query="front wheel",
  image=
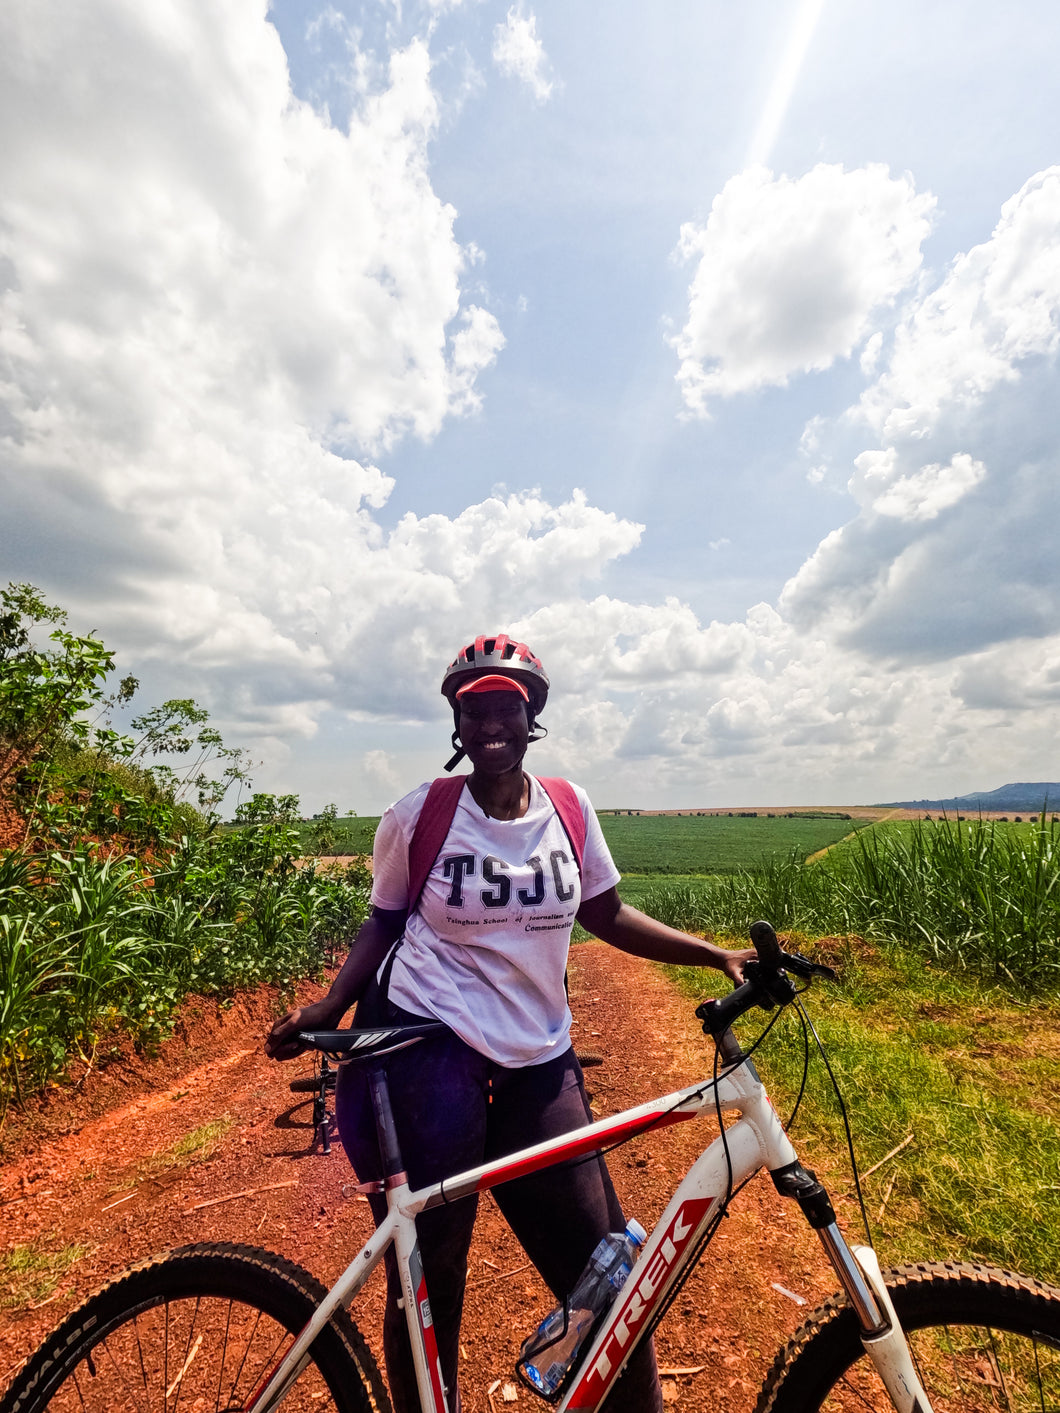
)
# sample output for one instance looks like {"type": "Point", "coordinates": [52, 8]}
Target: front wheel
{"type": "Point", "coordinates": [198, 1330]}
{"type": "Point", "coordinates": [982, 1339]}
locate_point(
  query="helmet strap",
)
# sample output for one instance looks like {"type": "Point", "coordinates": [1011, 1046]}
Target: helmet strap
{"type": "Point", "coordinates": [537, 732]}
{"type": "Point", "coordinates": [459, 756]}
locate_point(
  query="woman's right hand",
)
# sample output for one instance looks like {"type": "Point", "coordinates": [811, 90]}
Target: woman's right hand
{"type": "Point", "coordinates": [282, 1041]}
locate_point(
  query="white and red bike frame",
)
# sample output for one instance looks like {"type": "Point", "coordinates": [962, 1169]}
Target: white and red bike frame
{"type": "Point", "coordinates": [755, 1140]}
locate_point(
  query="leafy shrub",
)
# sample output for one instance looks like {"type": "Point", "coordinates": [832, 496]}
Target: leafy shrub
{"type": "Point", "coordinates": [123, 896]}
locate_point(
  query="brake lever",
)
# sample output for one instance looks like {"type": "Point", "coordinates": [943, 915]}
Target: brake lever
{"type": "Point", "coordinates": [803, 966]}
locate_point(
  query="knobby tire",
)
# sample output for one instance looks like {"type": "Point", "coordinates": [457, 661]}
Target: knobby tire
{"type": "Point", "coordinates": [311, 1084]}
{"type": "Point", "coordinates": [982, 1339]}
{"type": "Point", "coordinates": [197, 1330]}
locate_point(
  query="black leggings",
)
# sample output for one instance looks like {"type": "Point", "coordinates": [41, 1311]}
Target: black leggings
{"type": "Point", "coordinates": [454, 1109]}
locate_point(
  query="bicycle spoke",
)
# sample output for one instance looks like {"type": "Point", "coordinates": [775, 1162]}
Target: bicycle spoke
{"type": "Point", "coordinates": [189, 1354]}
{"type": "Point", "coordinates": [116, 1365]}
{"type": "Point", "coordinates": [964, 1370]}
{"type": "Point", "coordinates": [224, 1357]}
{"type": "Point", "coordinates": [198, 1332]}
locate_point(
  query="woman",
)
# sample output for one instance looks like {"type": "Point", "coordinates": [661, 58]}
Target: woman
{"type": "Point", "coordinates": [483, 948]}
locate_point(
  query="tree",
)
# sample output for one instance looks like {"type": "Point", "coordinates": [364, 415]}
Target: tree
{"type": "Point", "coordinates": [67, 769]}
{"type": "Point", "coordinates": [44, 693]}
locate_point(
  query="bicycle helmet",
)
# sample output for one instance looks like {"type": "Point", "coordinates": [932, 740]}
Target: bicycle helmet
{"type": "Point", "coordinates": [496, 656]}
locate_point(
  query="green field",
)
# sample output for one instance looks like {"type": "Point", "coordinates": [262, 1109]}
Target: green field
{"type": "Point", "coordinates": [715, 843]}
{"type": "Point", "coordinates": [692, 844]}
{"type": "Point", "coordinates": [903, 830]}
{"type": "Point", "coordinates": [353, 835]}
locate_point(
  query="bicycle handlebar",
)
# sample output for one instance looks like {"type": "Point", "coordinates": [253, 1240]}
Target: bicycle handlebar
{"type": "Point", "coordinates": [767, 982]}
{"type": "Point", "coordinates": [766, 943]}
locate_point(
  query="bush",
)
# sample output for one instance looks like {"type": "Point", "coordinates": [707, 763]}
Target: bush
{"type": "Point", "coordinates": [123, 896]}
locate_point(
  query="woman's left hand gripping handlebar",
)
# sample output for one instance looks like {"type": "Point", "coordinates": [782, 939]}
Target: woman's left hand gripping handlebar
{"type": "Point", "coordinates": [732, 963]}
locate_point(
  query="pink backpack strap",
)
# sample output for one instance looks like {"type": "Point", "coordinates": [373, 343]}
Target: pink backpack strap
{"type": "Point", "coordinates": [431, 828]}
{"type": "Point", "coordinates": [438, 810]}
{"type": "Point", "coordinates": [568, 807]}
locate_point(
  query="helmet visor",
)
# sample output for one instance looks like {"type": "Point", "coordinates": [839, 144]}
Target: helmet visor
{"type": "Point", "coordinates": [494, 682]}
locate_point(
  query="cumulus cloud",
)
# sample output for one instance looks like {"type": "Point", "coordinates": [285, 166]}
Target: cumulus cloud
{"type": "Point", "coordinates": [214, 305]}
{"type": "Point", "coordinates": [998, 306]}
{"type": "Point", "coordinates": [790, 273]}
{"type": "Point", "coordinates": [919, 642]}
{"type": "Point", "coordinates": [219, 312]}
{"type": "Point", "coordinates": [948, 553]}
{"type": "Point", "coordinates": [519, 53]}
{"type": "Point", "coordinates": [923, 494]}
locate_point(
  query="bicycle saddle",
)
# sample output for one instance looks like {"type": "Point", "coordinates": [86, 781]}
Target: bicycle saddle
{"type": "Point", "coordinates": [351, 1046]}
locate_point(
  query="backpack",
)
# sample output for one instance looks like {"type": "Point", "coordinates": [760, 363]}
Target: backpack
{"type": "Point", "coordinates": [437, 815]}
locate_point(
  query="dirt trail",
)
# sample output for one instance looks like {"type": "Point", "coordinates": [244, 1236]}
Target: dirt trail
{"type": "Point", "coordinates": [101, 1169]}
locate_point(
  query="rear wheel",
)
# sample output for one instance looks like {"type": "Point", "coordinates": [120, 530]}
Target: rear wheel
{"type": "Point", "coordinates": [309, 1084]}
{"type": "Point", "coordinates": [198, 1330]}
{"type": "Point", "coordinates": [982, 1339]}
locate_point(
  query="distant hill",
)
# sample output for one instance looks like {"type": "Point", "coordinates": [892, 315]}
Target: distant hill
{"type": "Point", "coordinates": [1023, 796]}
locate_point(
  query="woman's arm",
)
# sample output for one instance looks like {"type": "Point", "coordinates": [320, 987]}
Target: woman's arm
{"type": "Point", "coordinates": [377, 934]}
{"type": "Point", "coordinates": [606, 916]}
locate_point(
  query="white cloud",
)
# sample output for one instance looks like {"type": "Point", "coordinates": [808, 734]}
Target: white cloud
{"type": "Point", "coordinates": [378, 767]}
{"type": "Point", "coordinates": [948, 553]}
{"type": "Point", "coordinates": [790, 274]}
{"type": "Point", "coordinates": [924, 494]}
{"type": "Point", "coordinates": [213, 299]}
{"type": "Point", "coordinates": [217, 309]}
{"type": "Point", "coordinates": [998, 306]}
{"type": "Point", "coordinates": [186, 237]}
{"type": "Point", "coordinates": [519, 53]}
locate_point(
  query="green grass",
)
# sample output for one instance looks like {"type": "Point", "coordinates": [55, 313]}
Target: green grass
{"type": "Point", "coordinates": [93, 946]}
{"type": "Point", "coordinates": [29, 1273]}
{"type": "Point", "coordinates": [975, 896]}
{"type": "Point", "coordinates": [195, 1147]}
{"type": "Point", "coordinates": [636, 888]}
{"type": "Point", "coordinates": [968, 1071]}
{"type": "Point", "coordinates": [711, 844]}
{"type": "Point", "coordinates": [904, 830]}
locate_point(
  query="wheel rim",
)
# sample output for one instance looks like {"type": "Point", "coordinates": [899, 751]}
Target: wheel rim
{"type": "Point", "coordinates": [195, 1354]}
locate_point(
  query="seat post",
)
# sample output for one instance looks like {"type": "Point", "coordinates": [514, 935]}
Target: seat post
{"type": "Point", "coordinates": [386, 1133]}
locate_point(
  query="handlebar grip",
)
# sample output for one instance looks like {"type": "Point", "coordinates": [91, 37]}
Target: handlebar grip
{"type": "Point", "coordinates": [765, 944]}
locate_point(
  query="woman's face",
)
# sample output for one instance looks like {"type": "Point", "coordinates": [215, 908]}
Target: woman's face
{"type": "Point", "coordinates": [494, 730]}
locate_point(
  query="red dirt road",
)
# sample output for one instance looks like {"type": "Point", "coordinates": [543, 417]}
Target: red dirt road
{"type": "Point", "coordinates": [100, 1169]}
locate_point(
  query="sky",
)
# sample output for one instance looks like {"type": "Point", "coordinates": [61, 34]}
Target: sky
{"type": "Point", "coordinates": [709, 349]}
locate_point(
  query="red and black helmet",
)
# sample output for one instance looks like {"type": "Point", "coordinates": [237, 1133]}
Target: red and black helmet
{"type": "Point", "coordinates": [498, 655]}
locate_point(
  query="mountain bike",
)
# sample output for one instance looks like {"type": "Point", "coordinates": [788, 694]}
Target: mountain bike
{"type": "Point", "coordinates": [231, 1327]}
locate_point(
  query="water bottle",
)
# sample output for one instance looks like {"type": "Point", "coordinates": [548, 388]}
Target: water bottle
{"type": "Point", "coordinates": [553, 1349]}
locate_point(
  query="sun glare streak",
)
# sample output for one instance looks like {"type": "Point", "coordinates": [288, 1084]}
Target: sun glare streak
{"type": "Point", "coordinates": [806, 17]}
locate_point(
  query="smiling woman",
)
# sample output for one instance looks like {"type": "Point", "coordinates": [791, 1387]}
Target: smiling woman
{"type": "Point", "coordinates": [477, 883]}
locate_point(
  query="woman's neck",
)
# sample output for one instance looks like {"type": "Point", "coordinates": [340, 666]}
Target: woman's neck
{"type": "Point", "coordinates": [504, 796]}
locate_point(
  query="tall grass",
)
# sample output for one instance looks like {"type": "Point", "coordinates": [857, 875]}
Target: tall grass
{"type": "Point", "coordinates": [976, 895]}
{"type": "Point", "coordinates": [90, 943]}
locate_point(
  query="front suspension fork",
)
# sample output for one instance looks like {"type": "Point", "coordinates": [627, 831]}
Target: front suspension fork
{"type": "Point", "coordinates": [863, 1284]}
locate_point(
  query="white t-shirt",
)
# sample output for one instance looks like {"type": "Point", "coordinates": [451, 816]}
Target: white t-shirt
{"type": "Point", "coordinates": [486, 950]}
